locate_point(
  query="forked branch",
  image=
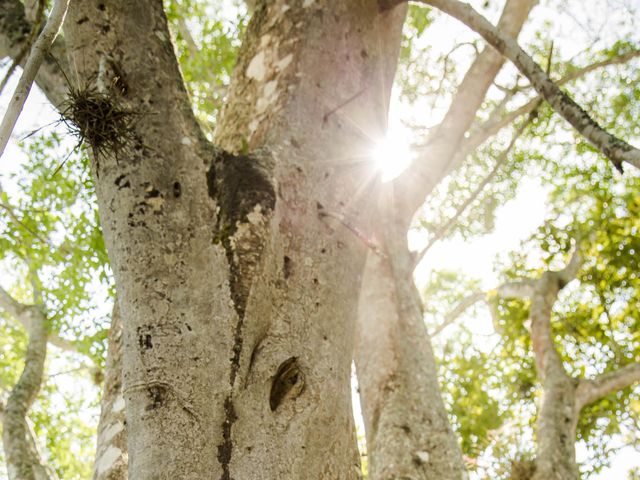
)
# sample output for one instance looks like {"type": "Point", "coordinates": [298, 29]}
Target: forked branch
{"type": "Point", "coordinates": [491, 127]}
{"type": "Point", "coordinates": [519, 289]}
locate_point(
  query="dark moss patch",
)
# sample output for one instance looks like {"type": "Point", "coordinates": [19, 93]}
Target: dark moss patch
{"type": "Point", "coordinates": [157, 397]}
{"type": "Point", "coordinates": [286, 267]}
{"type": "Point", "coordinates": [238, 183]}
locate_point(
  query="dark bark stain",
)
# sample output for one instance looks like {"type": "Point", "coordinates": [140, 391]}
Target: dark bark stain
{"type": "Point", "coordinates": [225, 449]}
{"type": "Point", "coordinates": [146, 342]}
{"type": "Point", "coordinates": [237, 183]}
{"type": "Point", "coordinates": [157, 396]}
{"type": "Point", "coordinates": [177, 190]}
{"type": "Point", "coordinates": [385, 5]}
{"type": "Point", "coordinates": [153, 193]}
{"type": "Point", "coordinates": [122, 182]}
{"type": "Point", "coordinates": [286, 267]}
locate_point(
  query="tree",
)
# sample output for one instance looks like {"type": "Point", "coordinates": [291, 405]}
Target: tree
{"type": "Point", "coordinates": [236, 260]}
{"type": "Point", "coordinates": [574, 321]}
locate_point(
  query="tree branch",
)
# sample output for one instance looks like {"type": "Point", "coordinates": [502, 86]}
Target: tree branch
{"type": "Point", "coordinates": [592, 390]}
{"type": "Point", "coordinates": [617, 150]}
{"type": "Point", "coordinates": [458, 310]}
{"type": "Point", "coordinates": [17, 60]}
{"type": "Point", "coordinates": [490, 128]}
{"type": "Point", "coordinates": [519, 289]}
{"type": "Point", "coordinates": [40, 49]}
{"type": "Point", "coordinates": [11, 305]}
{"type": "Point", "coordinates": [15, 38]}
{"type": "Point", "coordinates": [185, 33]}
{"type": "Point", "coordinates": [22, 313]}
{"type": "Point", "coordinates": [569, 272]}
{"type": "Point", "coordinates": [436, 160]}
{"type": "Point", "coordinates": [22, 459]}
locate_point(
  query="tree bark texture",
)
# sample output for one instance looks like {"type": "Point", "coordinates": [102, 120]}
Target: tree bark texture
{"type": "Point", "coordinates": [237, 274]}
{"type": "Point", "coordinates": [408, 432]}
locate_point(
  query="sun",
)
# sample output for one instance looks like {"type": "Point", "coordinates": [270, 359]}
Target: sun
{"type": "Point", "coordinates": [392, 154]}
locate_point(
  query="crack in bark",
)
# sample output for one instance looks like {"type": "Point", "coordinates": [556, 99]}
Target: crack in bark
{"type": "Point", "coordinates": [225, 449]}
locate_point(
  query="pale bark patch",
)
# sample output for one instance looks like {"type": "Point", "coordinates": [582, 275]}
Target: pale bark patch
{"type": "Point", "coordinates": [108, 459]}
{"type": "Point", "coordinates": [111, 431]}
{"type": "Point", "coordinates": [257, 68]}
{"type": "Point", "coordinates": [118, 405]}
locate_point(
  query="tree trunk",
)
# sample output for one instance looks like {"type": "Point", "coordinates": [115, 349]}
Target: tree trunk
{"type": "Point", "coordinates": [111, 452]}
{"type": "Point", "coordinates": [557, 413]}
{"type": "Point", "coordinates": [408, 431]}
{"type": "Point", "coordinates": [407, 428]}
{"type": "Point", "coordinates": [236, 269]}
{"type": "Point", "coordinates": [556, 431]}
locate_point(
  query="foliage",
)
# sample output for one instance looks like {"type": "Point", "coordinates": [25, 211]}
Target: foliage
{"type": "Point", "coordinates": [52, 244]}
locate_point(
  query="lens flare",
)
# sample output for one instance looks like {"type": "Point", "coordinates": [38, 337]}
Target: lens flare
{"type": "Point", "coordinates": [392, 154]}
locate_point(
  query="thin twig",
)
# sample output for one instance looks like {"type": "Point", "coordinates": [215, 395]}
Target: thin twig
{"type": "Point", "coordinates": [501, 160]}
{"type": "Point", "coordinates": [40, 49]}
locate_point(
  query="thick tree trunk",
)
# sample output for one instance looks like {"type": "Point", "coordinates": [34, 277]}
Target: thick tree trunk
{"type": "Point", "coordinates": [111, 451]}
{"type": "Point", "coordinates": [237, 270]}
{"type": "Point", "coordinates": [408, 433]}
{"type": "Point", "coordinates": [556, 431]}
